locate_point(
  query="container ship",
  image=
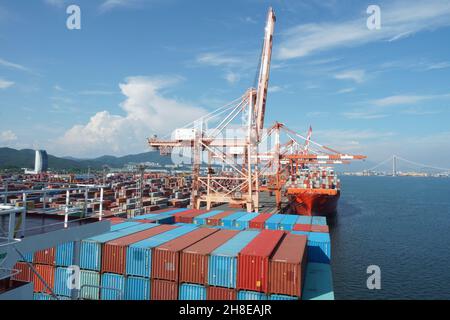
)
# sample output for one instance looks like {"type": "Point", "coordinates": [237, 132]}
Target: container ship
{"type": "Point", "coordinates": [314, 191]}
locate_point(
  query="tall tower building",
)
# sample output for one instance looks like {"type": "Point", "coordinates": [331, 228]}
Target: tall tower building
{"type": "Point", "coordinates": [41, 161]}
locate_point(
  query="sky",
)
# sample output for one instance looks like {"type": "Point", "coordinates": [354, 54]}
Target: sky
{"type": "Point", "coordinates": [143, 67]}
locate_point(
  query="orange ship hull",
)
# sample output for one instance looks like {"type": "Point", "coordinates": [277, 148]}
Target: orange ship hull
{"type": "Point", "coordinates": [312, 202]}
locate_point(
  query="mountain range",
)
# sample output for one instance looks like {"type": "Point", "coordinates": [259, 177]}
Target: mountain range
{"type": "Point", "coordinates": [16, 159]}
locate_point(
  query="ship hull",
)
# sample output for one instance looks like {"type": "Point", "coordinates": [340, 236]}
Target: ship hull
{"type": "Point", "coordinates": [313, 202]}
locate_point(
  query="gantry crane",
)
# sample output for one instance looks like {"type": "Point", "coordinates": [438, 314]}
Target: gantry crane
{"type": "Point", "coordinates": [240, 185]}
{"type": "Point", "coordinates": [284, 160]}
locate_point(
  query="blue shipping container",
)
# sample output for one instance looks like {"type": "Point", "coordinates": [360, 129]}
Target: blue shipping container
{"type": "Point", "coordinates": [243, 222]}
{"type": "Point", "coordinates": [321, 221]}
{"type": "Point", "coordinates": [42, 296]}
{"type": "Point", "coordinates": [89, 285]}
{"type": "Point", "coordinates": [274, 221]}
{"type": "Point", "coordinates": [151, 216]}
{"type": "Point", "coordinates": [318, 282]}
{"type": "Point", "coordinates": [137, 288]}
{"type": "Point", "coordinates": [167, 219]}
{"type": "Point", "coordinates": [28, 257]}
{"type": "Point", "coordinates": [229, 221]}
{"type": "Point", "coordinates": [201, 219]}
{"type": "Point", "coordinates": [90, 249]}
{"type": "Point", "coordinates": [139, 254]}
{"type": "Point", "coordinates": [61, 277]}
{"type": "Point", "coordinates": [123, 225]}
{"type": "Point", "coordinates": [192, 292]}
{"type": "Point", "coordinates": [288, 222]}
{"type": "Point", "coordinates": [281, 297]}
{"type": "Point", "coordinates": [223, 261]}
{"type": "Point", "coordinates": [304, 220]}
{"type": "Point", "coordinates": [319, 246]}
{"type": "Point", "coordinates": [113, 287]}
{"type": "Point", "coordinates": [251, 295]}
{"type": "Point", "coordinates": [64, 254]}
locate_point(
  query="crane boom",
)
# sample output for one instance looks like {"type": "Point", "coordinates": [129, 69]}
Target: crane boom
{"type": "Point", "coordinates": [264, 73]}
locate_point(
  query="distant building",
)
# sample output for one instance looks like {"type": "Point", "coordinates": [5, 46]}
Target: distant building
{"type": "Point", "coordinates": [40, 162]}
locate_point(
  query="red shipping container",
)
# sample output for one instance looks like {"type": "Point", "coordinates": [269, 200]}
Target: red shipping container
{"type": "Point", "coordinates": [218, 293]}
{"type": "Point", "coordinates": [188, 216]}
{"type": "Point", "coordinates": [302, 227]}
{"type": "Point", "coordinates": [48, 274]}
{"type": "Point", "coordinates": [25, 272]}
{"type": "Point", "coordinates": [216, 219]}
{"type": "Point", "coordinates": [114, 253]}
{"type": "Point", "coordinates": [260, 221]}
{"type": "Point", "coordinates": [46, 256]}
{"type": "Point", "coordinates": [287, 266]}
{"type": "Point", "coordinates": [253, 261]}
{"type": "Point", "coordinates": [317, 228]}
{"type": "Point", "coordinates": [166, 257]}
{"type": "Point", "coordinates": [164, 290]}
{"type": "Point", "coordinates": [116, 220]}
{"type": "Point", "coordinates": [162, 210]}
{"type": "Point", "coordinates": [194, 259]}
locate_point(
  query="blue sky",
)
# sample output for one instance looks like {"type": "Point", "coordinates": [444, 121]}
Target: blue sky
{"type": "Point", "coordinates": [141, 67]}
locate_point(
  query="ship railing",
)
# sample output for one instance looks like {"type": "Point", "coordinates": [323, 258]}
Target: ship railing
{"type": "Point", "coordinates": [33, 269]}
{"type": "Point", "coordinates": [8, 273]}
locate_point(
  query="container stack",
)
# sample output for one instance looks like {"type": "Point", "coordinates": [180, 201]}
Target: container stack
{"type": "Point", "coordinates": [193, 255]}
{"type": "Point", "coordinates": [315, 178]}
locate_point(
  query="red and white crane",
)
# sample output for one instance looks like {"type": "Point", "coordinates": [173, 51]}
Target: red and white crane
{"type": "Point", "coordinates": [240, 184]}
{"type": "Point", "coordinates": [285, 159]}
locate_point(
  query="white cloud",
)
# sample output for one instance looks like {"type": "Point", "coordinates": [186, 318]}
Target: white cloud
{"type": "Point", "coordinates": [273, 89]}
{"type": "Point", "coordinates": [231, 66]}
{"type": "Point", "coordinates": [398, 19]}
{"type": "Point", "coordinates": [97, 92]}
{"type": "Point", "coordinates": [217, 59]}
{"type": "Point", "coordinates": [232, 77]}
{"type": "Point", "coordinates": [147, 111]}
{"type": "Point", "coordinates": [377, 108]}
{"type": "Point", "coordinates": [249, 19]}
{"type": "Point", "coordinates": [406, 99]}
{"type": "Point", "coordinates": [4, 84]}
{"type": "Point", "coordinates": [346, 90]}
{"type": "Point", "coordinates": [357, 76]}
{"type": "Point", "coordinates": [364, 115]}
{"type": "Point", "coordinates": [7, 137]}
{"type": "Point", "coordinates": [398, 100]}
{"type": "Point", "coordinates": [11, 65]}
{"type": "Point", "coordinates": [108, 5]}
{"type": "Point", "coordinates": [438, 65]}
{"type": "Point", "coordinates": [347, 135]}
{"type": "Point", "coordinates": [317, 114]}
{"type": "Point", "coordinates": [56, 3]}
{"type": "Point", "coordinates": [351, 140]}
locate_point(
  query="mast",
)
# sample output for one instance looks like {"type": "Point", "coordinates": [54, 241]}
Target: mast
{"type": "Point", "coordinates": [264, 73]}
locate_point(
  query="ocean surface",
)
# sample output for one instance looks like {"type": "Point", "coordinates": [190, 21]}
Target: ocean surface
{"type": "Point", "coordinates": [402, 225]}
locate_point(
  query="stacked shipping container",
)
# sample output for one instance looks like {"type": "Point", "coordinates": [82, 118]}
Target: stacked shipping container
{"type": "Point", "coordinates": [141, 261]}
{"type": "Point", "coordinates": [253, 261]}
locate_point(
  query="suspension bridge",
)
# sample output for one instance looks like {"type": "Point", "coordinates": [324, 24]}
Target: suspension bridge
{"type": "Point", "coordinates": [396, 165]}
